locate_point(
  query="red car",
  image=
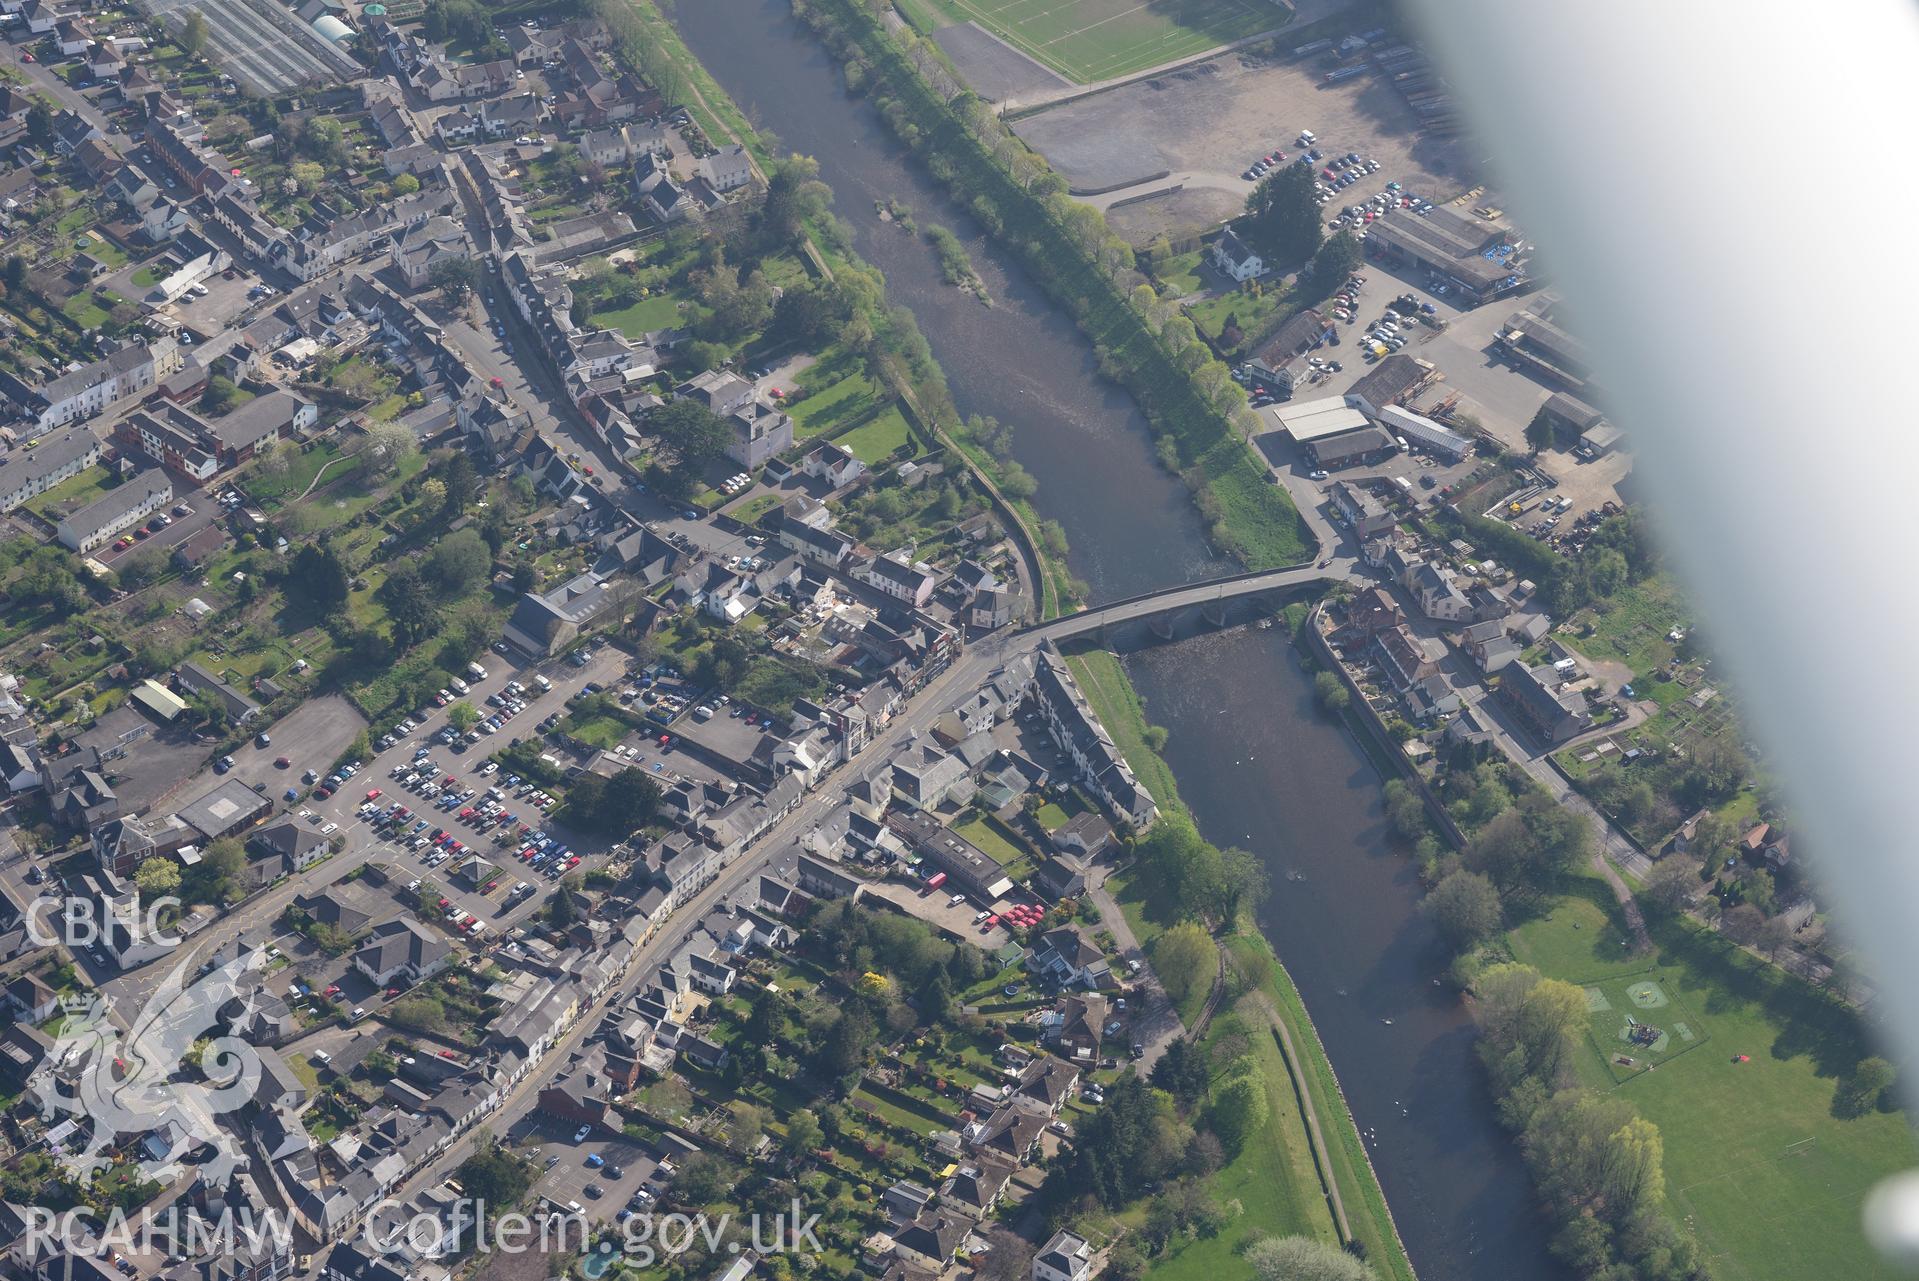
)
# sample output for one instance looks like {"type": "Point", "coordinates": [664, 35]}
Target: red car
{"type": "Point", "coordinates": [334, 990]}
{"type": "Point", "coordinates": [281, 762]}
{"type": "Point", "coordinates": [446, 1054]}
{"type": "Point", "coordinates": [321, 793]}
{"type": "Point", "coordinates": [491, 886]}
{"type": "Point", "coordinates": [26, 57]}
{"type": "Point", "coordinates": [373, 795]}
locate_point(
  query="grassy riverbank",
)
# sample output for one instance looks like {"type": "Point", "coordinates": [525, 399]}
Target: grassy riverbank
{"type": "Point", "coordinates": [1263, 995]}
{"type": "Point", "coordinates": [1197, 413]}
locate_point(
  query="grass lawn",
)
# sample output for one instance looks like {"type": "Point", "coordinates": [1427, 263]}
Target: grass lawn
{"type": "Point", "coordinates": [991, 841]}
{"type": "Point", "coordinates": [1576, 940]}
{"type": "Point", "coordinates": [75, 491]}
{"type": "Point", "coordinates": [1113, 698]}
{"type": "Point", "coordinates": [752, 509]}
{"type": "Point", "coordinates": [1181, 274]}
{"type": "Point", "coordinates": [838, 394]}
{"type": "Point", "coordinates": [149, 276]}
{"type": "Point", "coordinates": [1088, 40]}
{"type": "Point", "coordinates": [892, 1112]}
{"type": "Point", "coordinates": [875, 441]}
{"type": "Point", "coordinates": [1755, 1159]}
{"type": "Point", "coordinates": [1057, 814]}
{"type": "Point", "coordinates": [603, 732]}
{"type": "Point", "coordinates": [1251, 312]}
{"type": "Point", "coordinates": [268, 486]}
{"type": "Point", "coordinates": [1272, 1177]}
{"type": "Point", "coordinates": [88, 311]}
{"type": "Point", "coordinates": [1345, 1160]}
{"type": "Point", "coordinates": [661, 311]}
{"type": "Point", "coordinates": [304, 1069]}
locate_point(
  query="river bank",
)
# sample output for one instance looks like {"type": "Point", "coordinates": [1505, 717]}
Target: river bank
{"type": "Point", "coordinates": [1311, 800]}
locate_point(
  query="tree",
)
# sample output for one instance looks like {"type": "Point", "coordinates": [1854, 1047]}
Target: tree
{"type": "Point", "coordinates": [794, 194]}
{"type": "Point", "coordinates": [387, 446]}
{"type": "Point", "coordinates": [495, 1177]}
{"type": "Point", "coordinates": [1330, 692]}
{"type": "Point", "coordinates": [748, 1125]}
{"type": "Point", "coordinates": [1008, 1257]}
{"type": "Point", "coordinates": [410, 606]}
{"type": "Point", "coordinates": [455, 278]}
{"type": "Point", "coordinates": [39, 132]}
{"type": "Point", "coordinates": [218, 876]}
{"type": "Point", "coordinates": [1181, 1071]}
{"type": "Point", "coordinates": [462, 716]}
{"type": "Point", "coordinates": [193, 33]}
{"type": "Point", "coordinates": [1282, 220]}
{"type": "Point", "coordinates": [406, 185]}
{"type": "Point", "coordinates": [317, 577]}
{"type": "Point", "coordinates": [1742, 924]}
{"type": "Point", "coordinates": [1335, 259]}
{"type": "Point", "coordinates": [1539, 432]}
{"type": "Point", "coordinates": [1862, 1091]}
{"type": "Point", "coordinates": [1239, 1110]}
{"type": "Point", "coordinates": [1775, 936]}
{"type": "Point", "coordinates": [140, 567]}
{"type": "Point", "coordinates": [1464, 907]}
{"type": "Point", "coordinates": [15, 272]}
{"type": "Point", "coordinates": [458, 563]}
{"type": "Point", "coordinates": [307, 175]}
{"type": "Point", "coordinates": [616, 806]}
{"type": "Point", "coordinates": [432, 494]}
{"type": "Point", "coordinates": [157, 878]}
{"type": "Point", "coordinates": [803, 1133]}
{"type": "Point", "coordinates": [1671, 884]}
{"type": "Point", "coordinates": [1528, 1025]}
{"type": "Point", "coordinates": [703, 1177]}
{"type": "Point", "coordinates": [457, 472]}
{"type": "Point", "coordinates": [1185, 959]}
{"type": "Point", "coordinates": [1760, 889]}
{"type": "Point", "coordinates": [1304, 1259]}
{"type": "Point", "coordinates": [219, 395]}
{"type": "Point", "coordinates": [694, 433]}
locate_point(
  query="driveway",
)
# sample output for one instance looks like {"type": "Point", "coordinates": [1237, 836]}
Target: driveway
{"type": "Point", "coordinates": [1155, 1023]}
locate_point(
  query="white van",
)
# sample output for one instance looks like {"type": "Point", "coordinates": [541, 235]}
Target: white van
{"type": "Point", "coordinates": [546, 686]}
{"type": "Point", "coordinates": [459, 685]}
{"type": "Point", "coordinates": [476, 671]}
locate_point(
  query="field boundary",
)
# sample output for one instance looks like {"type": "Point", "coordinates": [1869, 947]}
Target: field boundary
{"type": "Point", "coordinates": [1653, 973]}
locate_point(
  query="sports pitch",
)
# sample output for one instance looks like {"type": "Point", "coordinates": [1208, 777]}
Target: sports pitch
{"type": "Point", "coordinates": [1089, 40]}
{"type": "Point", "coordinates": [1637, 1023]}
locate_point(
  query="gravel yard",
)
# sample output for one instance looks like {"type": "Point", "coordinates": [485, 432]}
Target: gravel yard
{"type": "Point", "coordinates": [1208, 122]}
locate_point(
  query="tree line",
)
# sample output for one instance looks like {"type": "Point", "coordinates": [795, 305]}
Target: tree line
{"type": "Point", "coordinates": [1596, 1163]}
{"type": "Point", "coordinates": [1143, 341]}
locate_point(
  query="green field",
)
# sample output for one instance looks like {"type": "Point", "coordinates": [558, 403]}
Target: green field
{"type": "Point", "coordinates": [1756, 1160]}
{"type": "Point", "coordinates": [1273, 1177]}
{"type": "Point", "coordinates": [1089, 40]}
{"type": "Point", "coordinates": [661, 311]}
{"type": "Point", "coordinates": [874, 442]}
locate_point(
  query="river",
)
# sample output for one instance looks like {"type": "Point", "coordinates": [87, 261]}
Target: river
{"type": "Point", "coordinates": [1259, 768]}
